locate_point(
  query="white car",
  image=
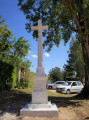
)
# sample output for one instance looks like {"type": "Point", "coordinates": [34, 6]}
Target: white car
{"type": "Point", "coordinates": [55, 84]}
{"type": "Point", "coordinates": [70, 87]}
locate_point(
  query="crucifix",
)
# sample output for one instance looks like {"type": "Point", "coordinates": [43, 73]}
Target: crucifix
{"type": "Point", "coordinates": [40, 69]}
{"type": "Point", "coordinates": [40, 106]}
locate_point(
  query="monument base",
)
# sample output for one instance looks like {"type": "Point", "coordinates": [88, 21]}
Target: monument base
{"type": "Point", "coordinates": [39, 110]}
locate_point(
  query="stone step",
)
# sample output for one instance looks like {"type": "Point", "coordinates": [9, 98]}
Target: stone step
{"type": "Point", "coordinates": [39, 110]}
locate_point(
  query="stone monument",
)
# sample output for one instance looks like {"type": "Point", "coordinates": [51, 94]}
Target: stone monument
{"type": "Point", "coordinates": [40, 106]}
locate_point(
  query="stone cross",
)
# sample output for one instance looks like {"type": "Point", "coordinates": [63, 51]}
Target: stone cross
{"type": "Point", "coordinates": [40, 69]}
{"type": "Point", "coordinates": [40, 106]}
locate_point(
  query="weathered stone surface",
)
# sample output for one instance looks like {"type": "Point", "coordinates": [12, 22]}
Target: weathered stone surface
{"type": "Point", "coordinates": [39, 97]}
{"type": "Point", "coordinates": [40, 83]}
{"type": "Point", "coordinates": [40, 71]}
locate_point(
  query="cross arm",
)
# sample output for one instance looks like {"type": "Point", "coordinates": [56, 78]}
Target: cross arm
{"type": "Point", "coordinates": [34, 28]}
{"type": "Point", "coordinates": [45, 27]}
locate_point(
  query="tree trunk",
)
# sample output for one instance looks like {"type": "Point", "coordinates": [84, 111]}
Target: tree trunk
{"type": "Point", "coordinates": [85, 48]}
{"type": "Point", "coordinates": [82, 80]}
{"type": "Point", "coordinates": [19, 75]}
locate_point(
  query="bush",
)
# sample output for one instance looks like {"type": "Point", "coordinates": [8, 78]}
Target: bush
{"type": "Point", "coordinates": [7, 76]}
{"type": "Point", "coordinates": [13, 77]}
{"type": "Point", "coordinates": [24, 84]}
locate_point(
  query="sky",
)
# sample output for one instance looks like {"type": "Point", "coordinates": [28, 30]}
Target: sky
{"type": "Point", "coordinates": [16, 20]}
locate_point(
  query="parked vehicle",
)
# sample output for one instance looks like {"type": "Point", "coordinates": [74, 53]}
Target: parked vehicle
{"type": "Point", "coordinates": [70, 87]}
{"type": "Point", "coordinates": [55, 84]}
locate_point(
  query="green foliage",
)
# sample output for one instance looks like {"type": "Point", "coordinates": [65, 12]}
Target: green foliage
{"type": "Point", "coordinates": [26, 64]}
{"type": "Point", "coordinates": [26, 80]}
{"type": "Point", "coordinates": [12, 52]}
{"type": "Point", "coordinates": [75, 65]}
{"type": "Point", "coordinates": [21, 47]}
{"type": "Point", "coordinates": [55, 74]}
{"type": "Point", "coordinates": [6, 40]}
{"type": "Point", "coordinates": [13, 77]}
{"type": "Point", "coordinates": [34, 11]}
{"type": "Point", "coordinates": [7, 77]}
{"type": "Point", "coordinates": [62, 16]}
{"type": "Point", "coordinates": [22, 85]}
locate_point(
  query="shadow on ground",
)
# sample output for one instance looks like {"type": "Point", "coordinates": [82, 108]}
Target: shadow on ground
{"type": "Point", "coordinates": [64, 101]}
{"type": "Point", "coordinates": [13, 101]}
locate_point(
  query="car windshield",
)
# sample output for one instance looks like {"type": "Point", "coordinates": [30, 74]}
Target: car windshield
{"type": "Point", "coordinates": [68, 83]}
{"type": "Point", "coordinates": [59, 83]}
{"type": "Point", "coordinates": [63, 83]}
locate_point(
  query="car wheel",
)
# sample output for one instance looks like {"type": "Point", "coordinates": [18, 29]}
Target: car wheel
{"type": "Point", "coordinates": [68, 92]}
{"type": "Point", "coordinates": [50, 87]}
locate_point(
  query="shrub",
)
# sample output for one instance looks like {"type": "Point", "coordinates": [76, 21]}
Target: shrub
{"type": "Point", "coordinates": [24, 84]}
{"type": "Point", "coordinates": [13, 77]}
{"type": "Point", "coordinates": [7, 76]}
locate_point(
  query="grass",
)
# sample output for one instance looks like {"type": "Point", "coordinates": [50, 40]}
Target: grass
{"type": "Point", "coordinates": [15, 95]}
{"type": "Point", "coordinates": [56, 94]}
{"type": "Point", "coordinates": [19, 94]}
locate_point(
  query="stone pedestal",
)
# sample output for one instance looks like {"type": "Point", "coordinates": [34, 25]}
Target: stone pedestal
{"type": "Point", "coordinates": [39, 95]}
{"type": "Point", "coordinates": [40, 106]}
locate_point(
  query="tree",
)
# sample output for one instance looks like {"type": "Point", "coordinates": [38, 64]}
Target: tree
{"type": "Point", "coordinates": [24, 66]}
{"type": "Point", "coordinates": [20, 50]}
{"type": "Point", "coordinates": [55, 74]}
{"type": "Point", "coordinates": [69, 70]}
{"type": "Point", "coordinates": [6, 40]}
{"type": "Point", "coordinates": [21, 47]}
{"type": "Point", "coordinates": [63, 17]}
{"type": "Point", "coordinates": [75, 65]}
{"type": "Point", "coordinates": [7, 70]}
{"type": "Point", "coordinates": [12, 52]}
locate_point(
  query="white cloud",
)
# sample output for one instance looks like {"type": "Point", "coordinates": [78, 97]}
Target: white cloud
{"type": "Point", "coordinates": [34, 56]}
{"type": "Point", "coordinates": [47, 54]}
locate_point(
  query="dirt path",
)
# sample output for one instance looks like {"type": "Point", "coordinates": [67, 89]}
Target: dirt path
{"type": "Point", "coordinates": [67, 113]}
{"type": "Point", "coordinates": [11, 113]}
{"type": "Point", "coordinates": [64, 114]}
